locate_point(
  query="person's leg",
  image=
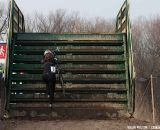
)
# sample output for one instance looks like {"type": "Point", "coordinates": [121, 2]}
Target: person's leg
{"type": "Point", "coordinates": [51, 91]}
{"type": "Point", "coordinates": [45, 79]}
{"type": "Point", "coordinates": [47, 89]}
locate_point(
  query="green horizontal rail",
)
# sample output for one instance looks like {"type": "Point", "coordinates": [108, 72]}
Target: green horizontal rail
{"type": "Point", "coordinates": [67, 37]}
{"type": "Point", "coordinates": [95, 86]}
{"type": "Point", "coordinates": [29, 51]}
{"type": "Point", "coordinates": [38, 58]}
{"type": "Point", "coordinates": [69, 105]}
{"type": "Point", "coordinates": [70, 57]}
{"type": "Point", "coordinates": [82, 90]}
{"type": "Point", "coordinates": [69, 43]}
{"type": "Point", "coordinates": [71, 61]}
{"type": "Point", "coordinates": [80, 80]}
{"type": "Point", "coordinates": [66, 100]}
{"type": "Point", "coordinates": [73, 71]}
{"type": "Point", "coordinates": [87, 76]}
{"type": "Point", "coordinates": [72, 66]}
{"type": "Point", "coordinates": [69, 48]}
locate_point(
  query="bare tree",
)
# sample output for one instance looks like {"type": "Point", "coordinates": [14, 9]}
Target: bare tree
{"type": "Point", "coordinates": [101, 25]}
{"type": "Point", "coordinates": [62, 22]}
{"type": "Point", "coordinates": [140, 46]}
{"type": "Point", "coordinates": [3, 19]}
{"type": "Point", "coordinates": [30, 25]}
{"type": "Point", "coordinates": [153, 30]}
{"type": "Point", "coordinates": [73, 23]}
{"type": "Point", "coordinates": [146, 45]}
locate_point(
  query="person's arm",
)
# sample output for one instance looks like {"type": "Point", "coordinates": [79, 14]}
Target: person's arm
{"type": "Point", "coordinates": [43, 60]}
{"type": "Point", "coordinates": [56, 64]}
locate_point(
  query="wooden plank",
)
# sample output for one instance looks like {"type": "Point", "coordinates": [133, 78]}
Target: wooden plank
{"type": "Point", "coordinates": [66, 105]}
{"type": "Point", "coordinates": [69, 48]}
{"type": "Point", "coordinates": [69, 43]}
{"type": "Point", "coordinates": [71, 71]}
{"type": "Point", "coordinates": [80, 60]}
{"type": "Point", "coordinates": [32, 61]}
{"type": "Point", "coordinates": [33, 51]}
{"type": "Point", "coordinates": [20, 88]}
{"type": "Point", "coordinates": [70, 79]}
{"type": "Point", "coordinates": [23, 76]}
{"type": "Point", "coordinates": [72, 66]}
{"type": "Point", "coordinates": [73, 62]}
{"type": "Point", "coordinates": [81, 81]}
{"type": "Point", "coordinates": [30, 100]}
{"type": "Point", "coordinates": [67, 37]}
{"type": "Point", "coordinates": [40, 85]}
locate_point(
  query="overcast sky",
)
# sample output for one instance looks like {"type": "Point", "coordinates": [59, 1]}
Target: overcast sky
{"type": "Point", "coordinates": [91, 8]}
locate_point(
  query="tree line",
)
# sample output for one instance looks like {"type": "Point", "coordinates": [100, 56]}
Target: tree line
{"type": "Point", "coordinates": [62, 22]}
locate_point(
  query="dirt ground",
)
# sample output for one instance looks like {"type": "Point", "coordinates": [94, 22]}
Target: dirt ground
{"type": "Point", "coordinates": [112, 124]}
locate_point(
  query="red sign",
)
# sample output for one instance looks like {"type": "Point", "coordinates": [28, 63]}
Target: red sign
{"type": "Point", "coordinates": [2, 51]}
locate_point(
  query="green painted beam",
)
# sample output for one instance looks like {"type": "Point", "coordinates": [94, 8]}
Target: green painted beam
{"type": "Point", "coordinates": [40, 85]}
{"type": "Point", "coordinates": [19, 88]}
{"type": "Point", "coordinates": [72, 71]}
{"type": "Point", "coordinates": [69, 43]}
{"type": "Point", "coordinates": [28, 100]}
{"type": "Point", "coordinates": [69, 105]}
{"type": "Point", "coordinates": [71, 59]}
{"type": "Point", "coordinates": [74, 61]}
{"type": "Point", "coordinates": [72, 66]}
{"type": "Point", "coordinates": [30, 51]}
{"type": "Point", "coordinates": [29, 78]}
{"type": "Point", "coordinates": [67, 37]}
{"type": "Point", "coordinates": [69, 48]}
{"type": "Point", "coordinates": [22, 76]}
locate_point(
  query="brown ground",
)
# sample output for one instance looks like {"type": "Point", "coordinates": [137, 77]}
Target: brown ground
{"type": "Point", "coordinates": [114, 124]}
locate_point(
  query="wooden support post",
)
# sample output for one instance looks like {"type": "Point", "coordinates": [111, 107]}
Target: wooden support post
{"type": "Point", "coordinates": [153, 103]}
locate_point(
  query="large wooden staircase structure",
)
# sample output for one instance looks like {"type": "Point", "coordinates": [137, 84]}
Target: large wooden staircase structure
{"type": "Point", "coordinates": [97, 69]}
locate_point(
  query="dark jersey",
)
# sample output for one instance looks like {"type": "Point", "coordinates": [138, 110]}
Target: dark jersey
{"type": "Point", "coordinates": [49, 66]}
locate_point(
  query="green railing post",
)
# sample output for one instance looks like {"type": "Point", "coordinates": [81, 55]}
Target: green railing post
{"type": "Point", "coordinates": [124, 12]}
{"type": "Point", "coordinates": [8, 55]}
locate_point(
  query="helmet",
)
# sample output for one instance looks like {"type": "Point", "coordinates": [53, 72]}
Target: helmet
{"type": "Point", "coordinates": [47, 51]}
